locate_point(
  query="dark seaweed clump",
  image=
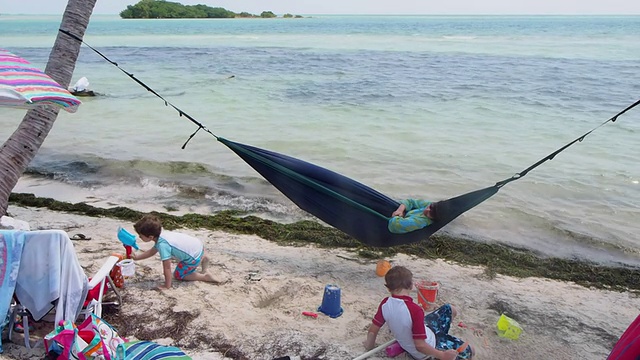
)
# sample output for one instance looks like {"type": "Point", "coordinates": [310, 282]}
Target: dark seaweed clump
{"type": "Point", "coordinates": [496, 258]}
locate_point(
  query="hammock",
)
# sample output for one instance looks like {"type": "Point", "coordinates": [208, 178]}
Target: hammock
{"type": "Point", "coordinates": [341, 202]}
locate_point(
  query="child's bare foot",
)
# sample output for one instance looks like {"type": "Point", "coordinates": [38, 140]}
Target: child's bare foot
{"type": "Point", "coordinates": [210, 278]}
{"type": "Point", "coordinates": [205, 264]}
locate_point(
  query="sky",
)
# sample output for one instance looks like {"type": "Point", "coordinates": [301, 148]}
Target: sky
{"type": "Point", "coordinates": [404, 7]}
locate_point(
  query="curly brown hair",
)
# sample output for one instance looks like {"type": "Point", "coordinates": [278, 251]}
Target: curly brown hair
{"type": "Point", "coordinates": [398, 278]}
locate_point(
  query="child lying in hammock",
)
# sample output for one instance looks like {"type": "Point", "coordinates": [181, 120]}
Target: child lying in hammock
{"type": "Point", "coordinates": [419, 214]}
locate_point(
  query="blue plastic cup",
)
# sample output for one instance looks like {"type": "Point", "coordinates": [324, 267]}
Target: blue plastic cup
{"type": "Point", "coordinates": [331, 301]}
{"type": "Point", "coordinates": [127, 238]}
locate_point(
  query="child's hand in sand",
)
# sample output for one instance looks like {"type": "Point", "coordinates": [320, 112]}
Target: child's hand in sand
{"type": "Point", "coordinates": [450, 355]}
{"type": "Point", "coordinates": [162, 287]}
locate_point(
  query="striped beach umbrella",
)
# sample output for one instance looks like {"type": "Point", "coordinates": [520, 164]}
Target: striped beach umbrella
{"type": "Point", "coordinates": [23, 86]}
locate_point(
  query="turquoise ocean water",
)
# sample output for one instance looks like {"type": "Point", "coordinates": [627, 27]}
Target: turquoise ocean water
{"type": "Point", "coordinates": [413, 106]}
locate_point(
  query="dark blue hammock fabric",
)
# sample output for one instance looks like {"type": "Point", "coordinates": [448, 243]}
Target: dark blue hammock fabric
{"type": "Point", "coordinates": [343, 203]}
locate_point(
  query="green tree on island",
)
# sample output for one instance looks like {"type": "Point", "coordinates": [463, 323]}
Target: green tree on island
{"type": "Point", "coordinates": [160, 9]}
{"type": "Point", "coordinates": [268, 14]}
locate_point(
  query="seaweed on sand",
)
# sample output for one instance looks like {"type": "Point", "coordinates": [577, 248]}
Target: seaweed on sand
{"type": "Point", "coordinates": [498, 259]}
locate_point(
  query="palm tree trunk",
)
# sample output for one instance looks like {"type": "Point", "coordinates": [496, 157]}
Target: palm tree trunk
{"type": "Point", "coordinates": [23, 145]}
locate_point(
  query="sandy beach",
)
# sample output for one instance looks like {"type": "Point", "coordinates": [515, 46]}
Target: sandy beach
{"type": "Point", "coordinates": [261, 317]}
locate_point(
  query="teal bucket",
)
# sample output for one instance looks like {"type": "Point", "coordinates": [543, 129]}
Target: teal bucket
{"type": "Point", "coordinates": [127, 238]}
{"type": "Point", "coordinates": [331, 301]}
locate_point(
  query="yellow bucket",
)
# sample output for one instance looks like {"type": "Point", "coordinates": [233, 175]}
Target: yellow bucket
{"type": "Point", "coordinates": [508, 328]}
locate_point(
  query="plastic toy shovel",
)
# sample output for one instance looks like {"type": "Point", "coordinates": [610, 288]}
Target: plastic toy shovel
{"type": "Point", "coordinates": [463, 347]}
{"type": "Point", "coordinates": [310, 314]}
{"type": "Point", "coordinates": [127, 238]}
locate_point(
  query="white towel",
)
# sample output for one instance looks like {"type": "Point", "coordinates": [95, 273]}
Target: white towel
{"type": "Point", "coordinates": [49, 271]}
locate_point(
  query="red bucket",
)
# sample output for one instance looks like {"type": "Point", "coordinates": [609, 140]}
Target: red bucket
{"type": "Point", "coordinates": [427, 293]}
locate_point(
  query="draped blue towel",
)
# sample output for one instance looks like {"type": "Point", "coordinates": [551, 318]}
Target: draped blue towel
{"type": "Point", "coordinates": [11, 244]}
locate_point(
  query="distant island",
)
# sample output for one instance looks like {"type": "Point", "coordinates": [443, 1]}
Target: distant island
{"type": "Point", "coordinates": [161, 9]}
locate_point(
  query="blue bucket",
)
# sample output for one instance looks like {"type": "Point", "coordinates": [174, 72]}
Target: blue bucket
{"type": "Point", "coordinates": [127, 238]}
{"type": "Point", "coordinates": [331, 301]}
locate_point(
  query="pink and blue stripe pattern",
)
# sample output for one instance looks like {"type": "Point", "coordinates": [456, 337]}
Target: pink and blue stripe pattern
{"type": "Point", "coordinates": [24, 86]}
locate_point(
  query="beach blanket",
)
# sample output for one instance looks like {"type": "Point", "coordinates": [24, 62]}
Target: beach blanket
{"type": "Point", "coordinates": [147, 350]}
{"type": "Point", "coordinates": [11, 245]}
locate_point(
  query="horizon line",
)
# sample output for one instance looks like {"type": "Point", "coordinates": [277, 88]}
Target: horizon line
{"type": "Point", "coordinates": [392, 14]}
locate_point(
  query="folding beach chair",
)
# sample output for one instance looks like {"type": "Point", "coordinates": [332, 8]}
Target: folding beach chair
{"type": "Point", "coordinates": [19, 310]}
{"type": "Point", "coordinates": [98, 286]}
{"type": "Point", "coordinates": [100, 283]}
{"type": "Point", "coordinates": [49, 277]}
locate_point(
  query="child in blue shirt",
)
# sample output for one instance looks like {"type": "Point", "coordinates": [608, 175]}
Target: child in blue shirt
{"type": "Point", "coordinates": [188, 250]}
{"type": "Point", "coordinates": [413, 214]}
